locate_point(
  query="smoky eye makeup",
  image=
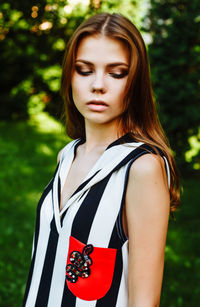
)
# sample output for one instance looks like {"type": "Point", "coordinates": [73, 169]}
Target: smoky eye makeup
{"type": "Point", "coordinates": [119, 74]}
{"type": "Point", "coordinates": [114, 72]}
{"type": "Point", "coordinates": [83, 70]}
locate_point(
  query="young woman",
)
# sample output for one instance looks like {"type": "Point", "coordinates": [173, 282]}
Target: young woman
{"type": "Point", "coordinates": [102, 220]}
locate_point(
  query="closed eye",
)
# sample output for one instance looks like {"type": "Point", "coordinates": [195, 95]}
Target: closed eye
{"type": "Point", "coordinates": [84, 71]}
{"type": "Point", "coordinates": [119, 75]}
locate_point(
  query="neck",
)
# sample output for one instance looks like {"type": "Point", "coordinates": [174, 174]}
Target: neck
{"type": "Point", "coordinates": [100, 137]}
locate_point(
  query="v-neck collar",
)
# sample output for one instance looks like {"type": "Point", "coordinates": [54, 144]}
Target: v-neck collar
{"type": "Point", "coordinates": [64, 168]}
{"type": "Point", "coordinates": [126, 138]}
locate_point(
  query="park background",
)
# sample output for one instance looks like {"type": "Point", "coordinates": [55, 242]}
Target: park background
{"type": "Point", "coordinates": [33, 35]}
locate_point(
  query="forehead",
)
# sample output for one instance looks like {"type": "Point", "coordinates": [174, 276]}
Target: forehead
{"type": "Point", "coordinates": [102, 48]}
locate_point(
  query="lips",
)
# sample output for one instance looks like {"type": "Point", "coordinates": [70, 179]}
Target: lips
{"type": "Point", "coordinates": [98, 102]}
{"type": "Point", "coordinates": [97, 105]}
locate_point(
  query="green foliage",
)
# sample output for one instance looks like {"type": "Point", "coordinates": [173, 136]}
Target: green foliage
{"type": "Point", "coordinates": [32, 42]}
{"type": "Point", "coordinates": [175, 64]}
{"type": "Point", "coordinates": [192, 155]}
{"type": "Point", "coordinates": [128, 8]}
{"type": "Point", "coordinates": [28, 153]}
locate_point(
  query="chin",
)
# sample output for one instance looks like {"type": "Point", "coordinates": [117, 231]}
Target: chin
{"type": "Point", "coordinates": [101, 121]}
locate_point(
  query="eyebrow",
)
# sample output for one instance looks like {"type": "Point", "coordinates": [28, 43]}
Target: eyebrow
{"type": "Point", "coordinates": [108, 65]}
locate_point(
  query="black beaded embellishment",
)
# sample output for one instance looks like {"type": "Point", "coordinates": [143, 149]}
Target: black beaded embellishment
{"type": "Point", "coordinates": [80, 263]}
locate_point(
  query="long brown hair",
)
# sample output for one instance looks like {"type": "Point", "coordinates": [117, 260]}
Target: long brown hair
{"type": "Point", "coordinates": [140, 117]}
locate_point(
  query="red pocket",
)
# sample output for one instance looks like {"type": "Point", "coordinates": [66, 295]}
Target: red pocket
{"type": "Point", "coordinates": [99, 281]}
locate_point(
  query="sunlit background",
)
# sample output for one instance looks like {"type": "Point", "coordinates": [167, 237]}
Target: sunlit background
{"type": "Point", "coordinates": [33, 36]}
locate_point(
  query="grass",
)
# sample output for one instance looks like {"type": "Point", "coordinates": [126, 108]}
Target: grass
{"type": "Point", "coordinates": [28, 153]}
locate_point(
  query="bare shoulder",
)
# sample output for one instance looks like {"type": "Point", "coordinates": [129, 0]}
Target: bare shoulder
{"type": "Point", "coordinates": [147, 190]}
{"type": "Point", "coordinates": [148, 167]}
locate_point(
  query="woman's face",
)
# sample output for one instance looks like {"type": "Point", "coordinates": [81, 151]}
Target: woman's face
{"type": "Point", "coordinates": [99, 79]}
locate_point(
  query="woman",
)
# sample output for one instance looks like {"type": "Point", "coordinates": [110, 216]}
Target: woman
{"type": "Point", "coordinates": [102, 220]}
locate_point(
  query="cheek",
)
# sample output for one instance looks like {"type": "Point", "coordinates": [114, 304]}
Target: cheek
{"type": "Point", "coordinates": [78, 86]}
{"type": "Point", "coordinates": [119, 95]}
{"type": "Point", "coordinates": [119, 90]}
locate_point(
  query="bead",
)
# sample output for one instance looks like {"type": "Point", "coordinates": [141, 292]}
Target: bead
{"type": "Point", "coordinates": [80, 263]}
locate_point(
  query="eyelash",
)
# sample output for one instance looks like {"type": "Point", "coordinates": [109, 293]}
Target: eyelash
{"type": "Point", "coordinates": [87, 73]}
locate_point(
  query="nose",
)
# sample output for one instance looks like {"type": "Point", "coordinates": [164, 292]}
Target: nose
{"type": "Point", "coordinates": [98, 84]}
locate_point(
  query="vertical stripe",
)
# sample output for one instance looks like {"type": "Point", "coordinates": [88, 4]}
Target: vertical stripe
{"type": "Point", "coordinates": [68, 298]}
{"type": "Point", "coordinates": [100, 233]}
{"type": "Point", "coordinates": [108, 209]}
{"type": "Point", "coordinates": [59, 192]}
{"type": "Point", "coordinates": [122, 298]}
{"type": "Point", "coordinates": [59, 294]}
{"type": "Point", "coordinates": [167, 170]}
{"type": "Point", "coordinates": [85, 216]}
{"type": "Point", "coordinates": [40, 253]}
{"type": "Point", "coordinates": [45, 282]}
{"type": "Point", "coordinates": [119, 223]}
{"type": "Point", "coordinates": [111, 296]}
{"type": "Point", "coordinates": [35, 243]}
{"type": "Point", "coordinates": [81, 229]}
{"type": "Point", "coordinates": [82, 303]}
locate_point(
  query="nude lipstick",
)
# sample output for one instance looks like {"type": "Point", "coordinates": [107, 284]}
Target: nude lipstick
{"type": "Point", "coordinates": [97, 105]}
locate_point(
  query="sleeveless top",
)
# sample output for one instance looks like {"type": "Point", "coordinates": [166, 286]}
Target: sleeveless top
{"type": "Point", "coordinates": [80, 255]}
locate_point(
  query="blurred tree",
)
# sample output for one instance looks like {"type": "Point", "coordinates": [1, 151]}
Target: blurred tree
{"type": "Point", "coordinates": [33, 35]}
{"type": "Point", "coordinates": [175, 63]}
{"type": "Point", "coordinates": [32, 44]}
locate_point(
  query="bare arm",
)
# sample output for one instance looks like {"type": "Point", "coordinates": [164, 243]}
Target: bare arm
{"type": "Point", "coordinates": [147, 210]}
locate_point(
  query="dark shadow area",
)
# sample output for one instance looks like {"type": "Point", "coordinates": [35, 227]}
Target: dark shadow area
{"type": "Point", "coordinates": [182, 258]}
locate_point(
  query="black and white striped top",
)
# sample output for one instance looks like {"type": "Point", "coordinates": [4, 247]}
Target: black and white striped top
{"type": "Point", "coordinates": [92, 215]}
